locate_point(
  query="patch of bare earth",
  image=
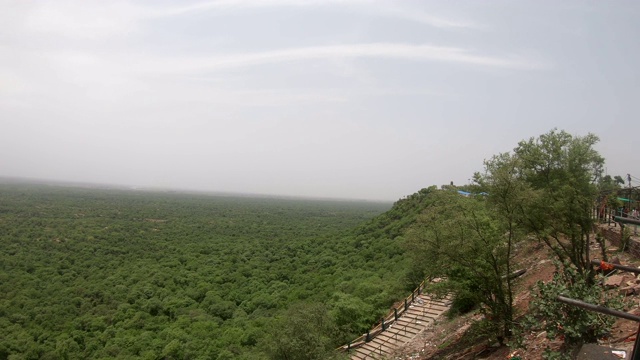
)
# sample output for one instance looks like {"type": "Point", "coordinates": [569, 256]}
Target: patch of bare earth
{"type": "Point", "coordinates": [457, 339]}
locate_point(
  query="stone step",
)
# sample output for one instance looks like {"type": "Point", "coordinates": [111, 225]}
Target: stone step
{"type": "Point", "coordinates": [409, 325]}
{"type": "Point", "coordinates": [371, 352]}
{"type": "Point", "coordinates": [399, 336]}
{"type": "Point", "coordinates": [355, 355]}
{"type": "Point", "coordinates": [391, 339]}
{"type": "Point", "coordinates": [379, 345]}
{"type": "Point", "coordinates": [420, 315]}
{"type": "Point", "coordinates": [423, 313]}
{"type": "Point", "coordinates": [431, 306]}
{"type": "Point", "coordinates": [360, 353]}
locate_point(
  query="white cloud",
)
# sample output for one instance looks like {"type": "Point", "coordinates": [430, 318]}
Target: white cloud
{"type": "Point", "coordinates": [393, 10]}
{"type": "Point", "coordinates": [407, 52]}
{"type": "Point", "coordinates": [84, 19]}
{"type": "Point", "coordinates": [101, 19]}
{"type": "Point", "coordinates": [379, 8]}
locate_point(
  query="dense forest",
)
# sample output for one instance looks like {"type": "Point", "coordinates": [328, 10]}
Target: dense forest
{"type": "Point", "coordinates": [98, 273]}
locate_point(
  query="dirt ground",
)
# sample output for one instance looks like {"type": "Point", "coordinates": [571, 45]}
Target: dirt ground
{"type": "Point", "coordinates": [454, 339]}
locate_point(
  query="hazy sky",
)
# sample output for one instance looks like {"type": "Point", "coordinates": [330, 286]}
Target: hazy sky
{"type": "Point", "coordinates": [343, 98]}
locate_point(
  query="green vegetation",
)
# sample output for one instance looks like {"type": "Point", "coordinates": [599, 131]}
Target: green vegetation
{"type": "Point", "coordinates": [89, 273]}
{"type": "Point", "coordinates": [547, 188]}
{"type": "Point", "coordinates": [462, 240]}
{"type": "Point", "coordinates": [572, 324]}
{"type": "Point", "coordinates": [560, 171]}
{"type": "Point", "coordinates": [92, 273]}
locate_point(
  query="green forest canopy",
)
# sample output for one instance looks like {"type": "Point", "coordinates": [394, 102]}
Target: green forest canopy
{"type": "Point", "coordinates": [89, 273]}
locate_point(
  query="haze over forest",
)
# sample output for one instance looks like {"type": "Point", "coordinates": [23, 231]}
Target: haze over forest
{"type": "Point", "coordinates": [341, 99]}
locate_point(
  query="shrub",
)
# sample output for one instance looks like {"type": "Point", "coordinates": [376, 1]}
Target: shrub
{"type": "Point", "coordinates": [572, 324]}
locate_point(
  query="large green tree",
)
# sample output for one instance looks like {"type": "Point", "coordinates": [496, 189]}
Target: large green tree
{"type": "Point", "coordinates": [302, 332]}
{"type": "Point", "coordinates": [552, 184]}
{"type": "Point", "coordinates": [561, 172]}
{"type": "Point", "coordinates": [459, 239]}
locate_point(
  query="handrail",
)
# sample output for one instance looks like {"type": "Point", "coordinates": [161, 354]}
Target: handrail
{"type": "Point", "coordinates": [635, 355]}
{"type": "Point", "coordinates": [616, 266]}
{"type": "Point", "coordinates": [598, 308]}
{"type": "Point", "coordinates": [386, 321]}
{"type": "Point", "coordinates": [374, 350]}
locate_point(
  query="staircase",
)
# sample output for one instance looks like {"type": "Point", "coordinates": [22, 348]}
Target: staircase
{"type": "Point", "coordinates": [398, 331]}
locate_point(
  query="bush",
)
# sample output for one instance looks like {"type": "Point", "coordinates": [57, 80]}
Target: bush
{"type": "Point", "coordinates": [572, 324]}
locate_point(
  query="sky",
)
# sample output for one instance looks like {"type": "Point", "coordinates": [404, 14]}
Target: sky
{"type": "Point", "coordinates": [347, 99]}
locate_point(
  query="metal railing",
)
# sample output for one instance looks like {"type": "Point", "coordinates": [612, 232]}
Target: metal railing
{"type": "Point", "coordinates": [387, 321]}
{"type": "Point", "coordinates": [374, 352]}
{"type": "Point", "coordinates": [635, 355]}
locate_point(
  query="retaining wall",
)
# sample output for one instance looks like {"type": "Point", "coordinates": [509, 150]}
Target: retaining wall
{"type": "Point", "coordinates": [614, 236]}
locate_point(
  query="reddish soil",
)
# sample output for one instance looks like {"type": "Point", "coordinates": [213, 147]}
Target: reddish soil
{"type": "Point", "coordinates": [454, 339]}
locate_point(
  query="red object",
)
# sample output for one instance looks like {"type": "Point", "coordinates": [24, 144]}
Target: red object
{"type": "Point", "coordinates": [604, 266]}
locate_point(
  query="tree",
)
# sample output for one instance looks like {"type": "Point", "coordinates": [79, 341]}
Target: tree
{"type": "Point", "coordinates": [350, 315]}
{"type": "Point", "coordinates": [458, 238]}
{"type": "Point", "coordinates": [554, 182]}
{"type": "Point", "coordinates": [505, 193]}
{"type": "Point", "coordinates": [608, 188]}
{"type": "Point", "coordinates": [560, 171]}
{"type": "Point", "coordinates": [304, 331]}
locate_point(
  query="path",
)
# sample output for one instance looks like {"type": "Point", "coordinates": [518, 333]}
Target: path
{"type": "Point", "coordinates": [421, 314]}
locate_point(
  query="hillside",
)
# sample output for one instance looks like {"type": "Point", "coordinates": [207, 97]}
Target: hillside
{"type": "Point", "coordinates": [395, 221]}
{"type": "Point", "coordinates": [462, 338]}
{"type": "Point", "coordinates": [109, 273]}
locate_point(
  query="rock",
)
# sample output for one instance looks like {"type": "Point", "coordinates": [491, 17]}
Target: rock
{"type": "Point", "coordinates": [613, 281]}
{"type": "Point", "coordinates": [629, 279]}
{"type": "Point", "coordinates": [626, 291]}
{"type": "Point", "coordinates": [596, 352]}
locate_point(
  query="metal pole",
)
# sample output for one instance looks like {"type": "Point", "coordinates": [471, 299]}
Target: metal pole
{"type": "Point", "coordinates": [623, 220]}
{"type": "Point", "coordinates": [601, 309]}
{"type": "Point", "coordinates": [395, 313]}
{"type": "Point", "coordinates": [619, 267]}
{"type": "Point", "coordinates": [598, 308]}
{"type": "Point", "coordinates": [635, 355]}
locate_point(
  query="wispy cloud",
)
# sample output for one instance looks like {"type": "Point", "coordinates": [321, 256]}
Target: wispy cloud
{"type": "Point", "coordinates": [416, 15]}
{"type": "Point", "coordinates": [91, 19]}
{"type": "Point", "coordinates": [379, 8]}
{"type": "Point", "coordinates": [406, 52]}
{"type": "Point", "coordinates": [85, 20]}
